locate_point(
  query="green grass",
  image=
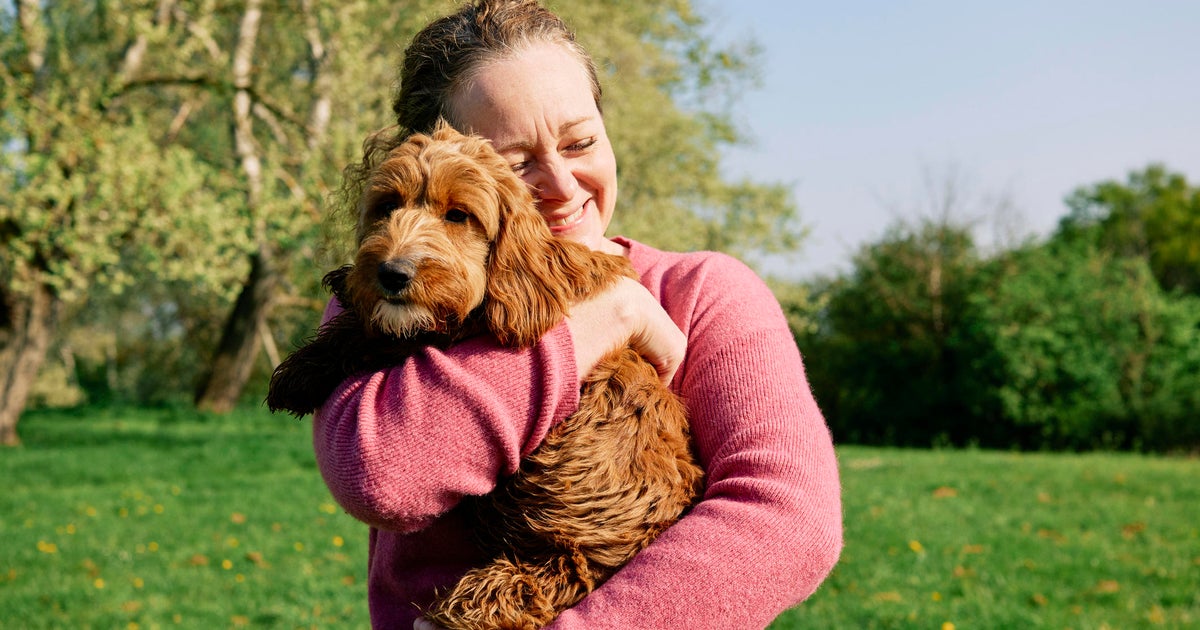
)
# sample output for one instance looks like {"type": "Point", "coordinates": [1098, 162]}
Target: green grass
{"type": "Point", "coordinates": [972, 539]}
{"type": "Point", "coordinates": [160, 518]}
{"type": "Point", "coordinates": [148, 518]}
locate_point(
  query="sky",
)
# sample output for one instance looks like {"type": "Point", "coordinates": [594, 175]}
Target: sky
{"type": "Point", "coordinates": [867, 108]}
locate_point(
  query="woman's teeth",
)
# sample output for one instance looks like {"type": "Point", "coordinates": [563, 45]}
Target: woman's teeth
{"type": "Point", "coordinates": [567, 220]}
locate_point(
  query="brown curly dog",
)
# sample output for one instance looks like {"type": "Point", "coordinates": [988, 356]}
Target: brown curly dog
{"type": "Point", "coordinates": [451, 244]}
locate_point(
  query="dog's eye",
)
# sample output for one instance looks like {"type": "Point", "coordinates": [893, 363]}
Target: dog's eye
{"type": "Point", "coordinates": [386, 204]}
{"type": "Point", "coordinates": [457, 215]}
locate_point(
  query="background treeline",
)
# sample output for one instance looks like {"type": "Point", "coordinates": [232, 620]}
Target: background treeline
{"type": "Point", "coordinates": [1088, 338]}
{"type": "Point", "coordinates": [165, 168]}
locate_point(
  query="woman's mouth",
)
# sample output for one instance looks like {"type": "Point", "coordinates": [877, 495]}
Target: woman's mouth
{"type": "Point", "coordinates": [567, 222]}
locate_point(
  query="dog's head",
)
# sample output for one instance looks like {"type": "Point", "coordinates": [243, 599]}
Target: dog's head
{"type": "Point", "coordinates": [445, 227]}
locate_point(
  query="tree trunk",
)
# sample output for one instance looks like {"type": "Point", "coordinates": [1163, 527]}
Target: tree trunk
{"type": "Point", "coordinates": [231, 366]}
{"type": "Point", "coordinates": [233, 362]}
{"type": "Point", "coordinates": [27, 323]}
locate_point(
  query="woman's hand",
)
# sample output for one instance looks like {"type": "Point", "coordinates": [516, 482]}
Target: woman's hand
{"type": "Point", "coordinates": [626, 313]}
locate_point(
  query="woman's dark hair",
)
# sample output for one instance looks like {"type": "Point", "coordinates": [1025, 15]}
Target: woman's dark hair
{"type": "Point", "coordinates": [449, 52]}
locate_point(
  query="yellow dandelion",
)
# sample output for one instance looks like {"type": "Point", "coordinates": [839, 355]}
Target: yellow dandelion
{"type": "Point", "coordinates": [947, 626]}
{"type": "Point", "coordinates": [239, 578]}
{"type": "Point", "coordinates": [70, 528]}
{"type": "Point", "coordinates": [329, 508]}
{"type": "Point", "coordinates": [338, 541]}
{"type": "Point", "coordinates": [158, 508]}
{"type": "Point", "coordinates": [915, 545]}
{"type": "Point", "coordinates": [98, 583]}
{"type": "Point", "coordinates": [138, 582]}
{"type": "Point", "coordinates": [47, 547]}
{"type": "Point", "coordinates": [237, 518]}
{"type": "Point", "coordinates": [299, 546]}
{"type": "Point", "coordinates": [226, 564]}
{"type": "Point", "coordinates": [90, 511]}
{"type": "Point", "coordinates": [937, 597]}
{"type": "Point", "coordinates": [153, 546]}
{"type": "Point", "coordinates": [133, 625]}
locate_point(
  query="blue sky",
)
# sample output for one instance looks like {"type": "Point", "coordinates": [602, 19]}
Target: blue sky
{"type": "Point", "coordinates": [863, 102]}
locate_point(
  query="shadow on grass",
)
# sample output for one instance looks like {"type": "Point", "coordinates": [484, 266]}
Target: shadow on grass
{"type": "Point", "coordinates": [165, 427]}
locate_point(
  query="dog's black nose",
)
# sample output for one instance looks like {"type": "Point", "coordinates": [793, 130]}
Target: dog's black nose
{"type": "Point", "coordinates": [394, 275]}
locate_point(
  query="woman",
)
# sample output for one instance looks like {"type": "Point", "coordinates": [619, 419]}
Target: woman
{"type": "Point", "coordinates": [399, 448]}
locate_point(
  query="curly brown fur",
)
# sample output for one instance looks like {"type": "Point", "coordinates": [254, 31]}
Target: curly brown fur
{"type": "Point", "coordinates": [450, 244]}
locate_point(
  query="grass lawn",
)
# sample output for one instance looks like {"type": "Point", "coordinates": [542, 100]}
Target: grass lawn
{"type": "Point", "coordinates": [145, 518]}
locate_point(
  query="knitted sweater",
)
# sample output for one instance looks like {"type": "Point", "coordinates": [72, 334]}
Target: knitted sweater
{"type": "Point", "coordinates": [399, 448]}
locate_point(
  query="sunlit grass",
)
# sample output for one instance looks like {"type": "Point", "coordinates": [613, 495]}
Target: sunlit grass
{"type": "Point", "coordinates": [966, 539]}
{"type": "Point", "coordinates": [146, 518]}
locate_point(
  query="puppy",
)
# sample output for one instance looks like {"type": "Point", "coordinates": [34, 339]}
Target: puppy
{"type": "Point", "coordinates": [450, 245]}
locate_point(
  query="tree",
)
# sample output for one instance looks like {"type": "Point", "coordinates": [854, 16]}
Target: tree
{"type": "Point", "coordinates": [256, 90]}
{"type": "Point", "coordinates": [896, 357]}
{"type": "Point", "coordinates": [1093, 351]}
{"type": "Point", "coordinates": [80, 174]}
{"type": "Point", "coordinates": [1154, 215]}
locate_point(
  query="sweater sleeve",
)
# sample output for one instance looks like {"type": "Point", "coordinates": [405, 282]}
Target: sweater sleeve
{"type": "Point", "coordinates": [768, 529]}
{"type": "Point", "coordinates": [401, 446]}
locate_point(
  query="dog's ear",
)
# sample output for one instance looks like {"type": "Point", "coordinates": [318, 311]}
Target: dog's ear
{"type": "Point", "coordinates": [335, 281]}
{"type": "Point", "coordinates": [525, 295]}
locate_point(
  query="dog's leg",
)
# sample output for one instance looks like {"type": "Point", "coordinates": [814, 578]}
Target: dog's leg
{"type": "Point", "coordinates": [513, 595]}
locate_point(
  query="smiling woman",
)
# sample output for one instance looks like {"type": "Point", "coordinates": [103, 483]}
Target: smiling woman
{"type": "Point", "coordinates": [400, 448]}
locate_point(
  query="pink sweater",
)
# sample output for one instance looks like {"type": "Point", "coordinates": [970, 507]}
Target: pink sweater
{"type": "Point", "coordinates": [399, 448]}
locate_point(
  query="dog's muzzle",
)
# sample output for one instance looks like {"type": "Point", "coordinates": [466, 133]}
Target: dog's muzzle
{"type": "Point", "coordinates": [395, 275]}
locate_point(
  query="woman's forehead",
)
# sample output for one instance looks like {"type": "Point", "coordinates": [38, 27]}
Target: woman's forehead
{"type": "Point", "coordinates": [518, 98]}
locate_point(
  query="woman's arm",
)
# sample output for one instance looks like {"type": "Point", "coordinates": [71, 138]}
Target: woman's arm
{"type": "Point", "coordinates": [769, 528]}
{"type": "Point", "coordinates": [401, 446]}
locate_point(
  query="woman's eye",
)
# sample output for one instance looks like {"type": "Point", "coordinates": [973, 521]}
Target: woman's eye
{"type": "Point", "coordinates": [457, 215]}
{"type": "Point", "coordinates": [520, 167]}
{"type": "Point", "coordinates": [582, 144]}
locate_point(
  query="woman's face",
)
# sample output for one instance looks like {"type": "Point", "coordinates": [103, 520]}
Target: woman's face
{"type": "Point", "coordinates": [536, 107]}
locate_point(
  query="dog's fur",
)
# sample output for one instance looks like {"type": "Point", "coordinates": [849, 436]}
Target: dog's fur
{"type": "Point", "coordinates": [451, 244]}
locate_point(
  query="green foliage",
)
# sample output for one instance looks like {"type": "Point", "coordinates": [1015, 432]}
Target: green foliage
{"type": "Point", "coordinates": [1066, 344]}
{"type": "Point", "coordinates": [1154, 215]}
{"type": "Point", "coordinates": [897, 357]}
{"type": "Point", "coordinates": [1094, 352]}
{"type": "Point", "coordinates": [84, 178]}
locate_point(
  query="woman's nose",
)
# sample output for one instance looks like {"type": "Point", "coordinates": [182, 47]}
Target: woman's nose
{"type": "Point", "coordinates": [555, 181]}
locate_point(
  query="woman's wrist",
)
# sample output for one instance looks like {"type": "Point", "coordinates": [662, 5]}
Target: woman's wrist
{"type": "Point", "coordinates": [625, 314]}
